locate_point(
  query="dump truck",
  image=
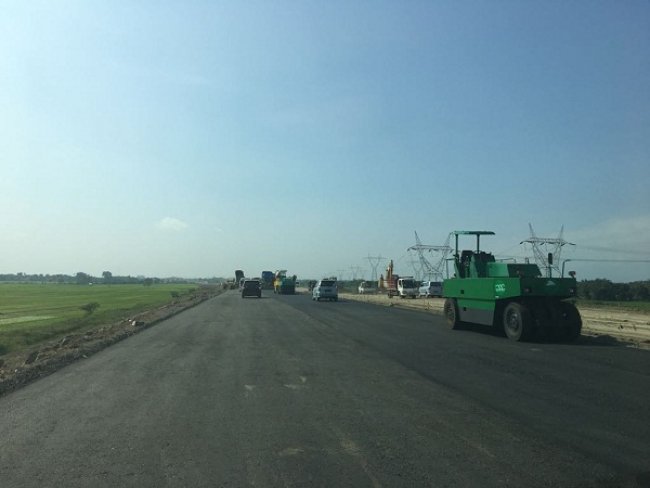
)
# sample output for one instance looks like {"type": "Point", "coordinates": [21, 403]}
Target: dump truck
{"type": "Point", "coordinates": [512, 296]}
{"type": "Point", "coordinates": [267, 280]}
{"type": "Point", "coordinates": [396, 285]}
{"type": "Point", "coordinates": [239, 276]}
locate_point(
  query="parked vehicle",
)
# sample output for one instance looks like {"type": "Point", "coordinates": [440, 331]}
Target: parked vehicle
{"type": "Point", "coordinates": [366, 287]}
{"type": "Point", "coordinates": [251, 288]}
{"type": "Point", "coordinates": [430, 289]}
{"type": "Point", "coordinates": [407, 287]}
{"type": "Point", "coordinates": [325, 289]}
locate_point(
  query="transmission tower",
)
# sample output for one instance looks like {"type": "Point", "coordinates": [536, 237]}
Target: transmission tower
{"type": "Point", "coordinates": [375, 261]}
{"type": "Point", "coordinates": [547, 250]}
{"type": "Point", "coordinates": [431, 271]}
{"type": "Point", "coordinates": [356, 271]}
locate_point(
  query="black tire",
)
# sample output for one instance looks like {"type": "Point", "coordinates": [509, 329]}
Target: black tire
{"type": "Point", "coordinates": [517, 322]}
{"type": "Point", "coordinates": [571, 321]}
{"type": "Point", "coordinates": [450, 311]}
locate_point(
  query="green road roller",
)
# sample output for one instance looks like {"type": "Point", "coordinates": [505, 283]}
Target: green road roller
{"type": "Point", "coordinates": [512, 296]}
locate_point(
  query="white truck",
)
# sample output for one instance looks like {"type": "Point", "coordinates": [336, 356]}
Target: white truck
{"type": "Point", "coordinates": [404, 286]}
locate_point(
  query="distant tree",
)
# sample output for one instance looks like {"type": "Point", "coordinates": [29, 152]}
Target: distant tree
{"type": "Point", "coordinates": [108, 276]}
{"type": "Point", "coordinates": [83, 278]}
{"type": "Point", "coordinates": [147, 281]}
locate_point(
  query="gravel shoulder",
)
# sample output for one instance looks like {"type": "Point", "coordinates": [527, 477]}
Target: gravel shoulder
{"type": "Point", "coordinates": [631, 329]}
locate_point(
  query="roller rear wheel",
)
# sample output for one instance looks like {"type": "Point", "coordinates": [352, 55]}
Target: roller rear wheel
{"type": "Point", "coordinates": [571, 320]}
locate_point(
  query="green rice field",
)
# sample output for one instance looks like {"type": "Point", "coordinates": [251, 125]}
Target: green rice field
{"type": "Point", "coordinates": [32, 313]}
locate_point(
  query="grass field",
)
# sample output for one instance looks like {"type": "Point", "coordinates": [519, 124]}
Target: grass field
{"type": "Point", "coordinates": [32, 313]}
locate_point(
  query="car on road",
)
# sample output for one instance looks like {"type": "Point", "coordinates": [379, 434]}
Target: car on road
{"type": "Point", "coordinates": [430, 289]}
{"type": "Point", "coordinates": [251, 288]}
{"type": "Point", "coordinates": [325, 289]}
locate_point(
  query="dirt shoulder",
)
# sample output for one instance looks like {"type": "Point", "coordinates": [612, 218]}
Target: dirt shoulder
{"type": "Point", "coordinates": [631, 329]}
{"type": "Point", "coordinates": [20, 368]}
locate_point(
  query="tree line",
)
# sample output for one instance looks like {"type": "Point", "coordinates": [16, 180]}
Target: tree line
{"type": "Point", "coordinates": [82, 278]}
{"type": "Point", "coordinates": [604, 290]}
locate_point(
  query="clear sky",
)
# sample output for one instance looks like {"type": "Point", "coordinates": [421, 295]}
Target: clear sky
{"type": "Point", "coordinates": [193, 138]}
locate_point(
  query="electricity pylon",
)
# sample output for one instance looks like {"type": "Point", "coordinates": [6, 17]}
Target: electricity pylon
{"type": "Point", "coordinates": [356, 271]}
{"type": "Point", "coordinates": [375, 261]}
{"type": "Point", "coordinates": [547, 250]}
{"type": "Point", "coordinates": [433, 271]}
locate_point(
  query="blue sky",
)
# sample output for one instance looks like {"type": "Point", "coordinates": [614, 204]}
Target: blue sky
{"type": "Point", "coordinates": [194, 138]}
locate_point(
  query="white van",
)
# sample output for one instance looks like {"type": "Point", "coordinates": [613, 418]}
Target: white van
{"type": "Point", "coordinates": [430, 289]}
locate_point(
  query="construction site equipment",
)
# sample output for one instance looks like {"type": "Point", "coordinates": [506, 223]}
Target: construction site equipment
{"type": "Point", "coordinates": [513, 296]}
{"type": "Point", "coordinates": [267, 280]}
{"type": "Point", "coordinates": [283, 284]}
{"type": "Point", "coordinates": [239, 277]}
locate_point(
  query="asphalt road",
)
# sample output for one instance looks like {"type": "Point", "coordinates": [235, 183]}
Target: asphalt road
{"type": "Point", "coordinates": [284, 391]}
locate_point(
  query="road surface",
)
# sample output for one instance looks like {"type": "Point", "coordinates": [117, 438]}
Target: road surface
{"type": "Point", "coordinates": [284, 391]}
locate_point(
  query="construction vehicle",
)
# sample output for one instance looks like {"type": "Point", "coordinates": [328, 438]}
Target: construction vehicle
{"type": "Point", "coordinates": [512, 296]}
{"type": "Point", "coordinates": [239, 278]}
{"type": "Point", "coordinates": [283, 284]}
{"type": "Point", "coordinates": [395, 285]}
{"type": "Point", "coordinates": [267, 280]}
